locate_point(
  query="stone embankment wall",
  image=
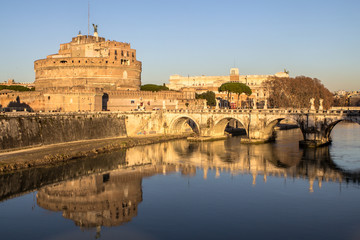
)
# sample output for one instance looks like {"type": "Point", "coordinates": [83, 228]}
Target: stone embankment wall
{"type": "Point", "coordinates": [24, 130]}
{"type": "Point", "coordinates": [27, 180]}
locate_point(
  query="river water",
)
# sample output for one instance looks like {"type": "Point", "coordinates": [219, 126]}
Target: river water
{"type": "Point", "coordinates": [183, 190]}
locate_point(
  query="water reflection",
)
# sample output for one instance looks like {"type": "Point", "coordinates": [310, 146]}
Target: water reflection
{"type": "Point", "coordinates": [106, 190]}
{"type": "Point", "coordinates": [111, 198]}
{"type": "Point", "coordinates": [20, 182]}
{"type": "Point", "coordinates": [108, 199]}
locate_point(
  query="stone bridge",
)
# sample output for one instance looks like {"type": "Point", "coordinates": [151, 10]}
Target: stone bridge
{"type": "Point", "coordinates": [30, 129]}
{"type": "Point", "coordinates": [315, 125]}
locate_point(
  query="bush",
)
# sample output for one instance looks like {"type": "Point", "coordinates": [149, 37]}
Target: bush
{"type": "Point", "coordinates": [153, 88]}
{"type": "Point", "coordinates": [209, 96]}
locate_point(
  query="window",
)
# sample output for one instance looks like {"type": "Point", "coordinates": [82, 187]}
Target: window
{"type": "Point", "coordinates": [132, 54]}
{"type": "Point", "coordinates": [106, 177]}
{"type": "Point", "coordinates": [115, 52]}
{"type": "Point", "coordinates": [122, 53]}
{"type": "Point", "coordinates": [132, 101]}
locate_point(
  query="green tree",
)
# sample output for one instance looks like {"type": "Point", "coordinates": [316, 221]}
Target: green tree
{"type": "Point", "coordinates": [153, 87]}
{"type": "Point", "coordinates": [235, 87]}
{"type": "Point", "coordinates": [209, 96]}
{"type": "Point", "coordinates": [239, 88]}
{"type": "Point", "coordinates": [226, 87]}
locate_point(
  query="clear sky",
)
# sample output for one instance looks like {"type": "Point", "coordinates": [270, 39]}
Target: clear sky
{"type": "Point", "coordinates": [315, 38]}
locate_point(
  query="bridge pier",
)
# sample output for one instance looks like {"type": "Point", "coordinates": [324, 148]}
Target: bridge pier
{"type": "Point", "coordinates": [258, 131]}
{"type": "Point", "coordinates": [258, 136]}
{"type": "Point", "coordinates": [314, 139]}
{"type": "Point", "coordinates": [314, 143]}
{"type": "Point", "coordinates": [316, 130]}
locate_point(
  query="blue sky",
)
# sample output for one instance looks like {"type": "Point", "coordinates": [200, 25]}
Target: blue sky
{"type": "Point", "coordinates": [318, 38]}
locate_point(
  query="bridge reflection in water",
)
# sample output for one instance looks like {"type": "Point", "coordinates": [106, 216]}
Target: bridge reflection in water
{"type": "Point", "coordinates": [107, 192]}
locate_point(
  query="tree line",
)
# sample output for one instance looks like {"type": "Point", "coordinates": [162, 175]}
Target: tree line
{"type": "Point", "coordinates": [281, 92]}
{"type": "Point", "coordinates": [16, 88]}
{"type": "Point", "coordinates": [297, 92]}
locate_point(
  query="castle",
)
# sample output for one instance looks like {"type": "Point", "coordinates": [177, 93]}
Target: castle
{"type": "Point", "coordinates": [90, 61]}
{"type": "Point", "coordinates": [92, 74]}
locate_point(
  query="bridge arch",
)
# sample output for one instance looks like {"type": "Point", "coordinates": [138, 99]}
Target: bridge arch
{"type": "Point", "coordinates": [272, 122]}
{"type": "Point", "coordinates": [183, 124]}
{"type": "Point", "coordinates": [331, 126]}
{"type": "Point", "coordinates": [220, 125]}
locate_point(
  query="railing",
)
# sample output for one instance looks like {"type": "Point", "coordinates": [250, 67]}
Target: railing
{"type": "Point", "coordinates": [189, 111]}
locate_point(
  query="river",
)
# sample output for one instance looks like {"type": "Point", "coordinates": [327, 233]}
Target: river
{"type": "Point", "coordinates": [186, 190]}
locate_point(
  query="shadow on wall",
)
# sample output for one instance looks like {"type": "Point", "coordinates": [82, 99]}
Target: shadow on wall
{"type": "Point", "coordinates": [17, 106]}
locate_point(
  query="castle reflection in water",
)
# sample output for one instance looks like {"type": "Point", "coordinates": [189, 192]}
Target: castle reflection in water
{"type": "Point", "coordinates": [111, 197]}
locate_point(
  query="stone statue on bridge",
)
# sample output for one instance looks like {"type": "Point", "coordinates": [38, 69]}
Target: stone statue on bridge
{"type": "Point", "coordinates": [265, 104]}
{"type": "Point", "coordinates": [312, 105]}
{"type": "Point", "coordinates": [321, 104]}
{"type": "Point", "coordinates": [254, 103]}
{"type": "Point", "coordinates": [205, 105]}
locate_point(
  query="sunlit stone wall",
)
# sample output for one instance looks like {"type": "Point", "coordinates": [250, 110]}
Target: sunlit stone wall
{"type": "Point", "coordinates": [21, 131]}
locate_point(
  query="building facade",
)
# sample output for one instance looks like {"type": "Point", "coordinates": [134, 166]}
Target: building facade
{"type": "Point", "coordinates": [200, 84]}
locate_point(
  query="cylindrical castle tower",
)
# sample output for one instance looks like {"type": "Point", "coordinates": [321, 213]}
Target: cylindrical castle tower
{"type": "Point", "coordinates": [90, 62]}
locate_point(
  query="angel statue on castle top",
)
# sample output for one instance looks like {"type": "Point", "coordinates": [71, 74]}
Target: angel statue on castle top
{"type": "Point", "coordinates": [95, 28]}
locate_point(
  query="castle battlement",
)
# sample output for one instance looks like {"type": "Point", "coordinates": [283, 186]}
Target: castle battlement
{"type": "Point", "coordinates": [82, 61]}
{"type": "Point", "coordinates": [170, 95]}
{"type": "Point", "coordinates": [81, 39]}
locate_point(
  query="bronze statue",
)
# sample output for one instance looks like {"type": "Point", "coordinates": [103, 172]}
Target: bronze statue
{"type": "Point", "coordinates": [95, 28]}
